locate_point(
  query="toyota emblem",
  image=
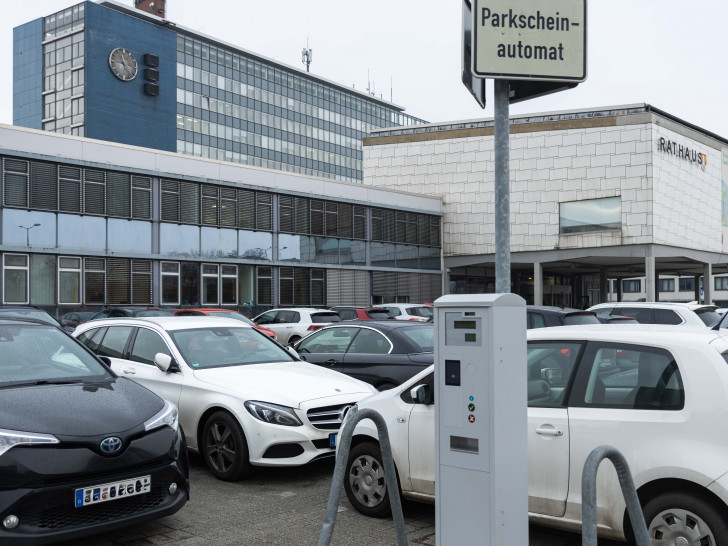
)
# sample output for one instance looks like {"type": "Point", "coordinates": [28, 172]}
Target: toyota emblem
{"type": "Point", "coordinates": [110, 445]}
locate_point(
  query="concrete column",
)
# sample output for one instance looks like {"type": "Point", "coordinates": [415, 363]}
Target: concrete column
{"type": "Point", "coordinates": [707, 283]}
{"type": "Point", "coordinates": [619, 288]}
{"type": "Point", "coordinates": [537, 284]}
{"type": "Point", "coordinates": [650, 291]}
{"type": "Point", "coordinates": [697, 287]}
{"type": "Point", "coordinates": [603, 286]}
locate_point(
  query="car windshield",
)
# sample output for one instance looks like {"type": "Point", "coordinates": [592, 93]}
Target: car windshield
{"type": "Point", "coordinates": [35, 354]}
{"type": "Point", "coordinates": [36, 314]}
{"type": "Point", "coordinates": [86, 315]}
{"type": "Point", "coordinates": [581, 318]}
{"type": "Point", "coordinates": [422, 337]}
{"type": "Point", "coordinates": [233, 315]}
{"type": "Point", "coordinates": [216, 347]}
{"type": "Point", "coordinates": [708, 316]}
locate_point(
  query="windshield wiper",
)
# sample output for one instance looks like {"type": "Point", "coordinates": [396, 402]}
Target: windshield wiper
{"type": "Point", "coordinates": [43, 382]}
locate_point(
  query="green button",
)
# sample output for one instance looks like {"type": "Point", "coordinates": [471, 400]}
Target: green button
{"type": "Point", "coordinates": [471, 407]}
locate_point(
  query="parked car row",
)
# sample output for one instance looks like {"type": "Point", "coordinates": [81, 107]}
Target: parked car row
{"type": "Point", "coordinates": [243, 401]}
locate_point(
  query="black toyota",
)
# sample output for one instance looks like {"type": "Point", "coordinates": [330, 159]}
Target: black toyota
{"type": "Point", "coordinates": [81, 450]}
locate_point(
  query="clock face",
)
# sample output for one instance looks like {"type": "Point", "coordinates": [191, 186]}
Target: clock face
{"type": "Point", "coordinates": [123, 64]}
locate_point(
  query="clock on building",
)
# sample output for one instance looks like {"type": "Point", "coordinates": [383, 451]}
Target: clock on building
{"type": "Point", "coordinates": [123, 64]}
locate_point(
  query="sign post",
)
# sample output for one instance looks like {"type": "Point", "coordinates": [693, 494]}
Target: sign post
{"type": "Point", "coordinates": [531, 48]}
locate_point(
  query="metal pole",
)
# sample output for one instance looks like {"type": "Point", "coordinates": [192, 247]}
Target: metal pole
{"type": "Point", "coordinates": [502, 190]}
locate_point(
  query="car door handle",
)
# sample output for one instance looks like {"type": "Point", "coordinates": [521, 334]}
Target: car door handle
{"type": "Point", "coordinates": [332, 362]}
{"type": "Point", "coordinates": [549, 431]}
{"type": "Point", "coordinates": [130, 371]}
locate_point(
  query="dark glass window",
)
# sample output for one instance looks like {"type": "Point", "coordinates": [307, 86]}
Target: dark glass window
{"type": "Point", "coordinates": [147, 344]}
{"type": "Point", "coordinates": [114, 342]}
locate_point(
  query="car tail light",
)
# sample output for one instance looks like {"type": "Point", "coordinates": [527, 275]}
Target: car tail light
{"type": "Point", "coordinates": [315, 327]}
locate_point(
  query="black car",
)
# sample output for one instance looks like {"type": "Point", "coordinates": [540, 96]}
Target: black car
{"type": "Point", "coordinates": [116, 312]}
{"type": "Point", "coordinates": [28, 312]}
{"type": "Point", "coordinates": [81, 450]}
{"type": "Point", "coordinates": [71, 320]}
{"type": "Point", "coordinates": [543, 317]}
{"type": "Point", "coordinates": [382, 353]}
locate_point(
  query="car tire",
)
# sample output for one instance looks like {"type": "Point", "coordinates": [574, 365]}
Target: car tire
{"type": "Point", "coordinates": [224, 447]}
{"type": "Point", "coordinates": [688, 515]}
{"type": "Point", "coordinates": [364, 482]}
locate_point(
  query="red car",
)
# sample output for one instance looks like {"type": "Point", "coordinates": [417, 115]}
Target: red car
{"type": "Point", "coordinates": [362, 313]}
{"type": "Point", "coordinates": [227, 313]}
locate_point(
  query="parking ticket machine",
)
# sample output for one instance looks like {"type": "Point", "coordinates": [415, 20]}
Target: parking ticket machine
{"type": "Point", "coordinates": [481, 460]}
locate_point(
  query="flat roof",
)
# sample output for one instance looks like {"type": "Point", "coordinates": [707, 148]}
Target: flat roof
{"type": "Point", "coordinates": [542, 117]}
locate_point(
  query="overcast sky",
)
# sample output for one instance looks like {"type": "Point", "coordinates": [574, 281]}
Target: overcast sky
{"type": "Point", "coordinates": [667, 53]}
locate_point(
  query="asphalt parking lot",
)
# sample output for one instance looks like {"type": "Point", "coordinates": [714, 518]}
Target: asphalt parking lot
{"type": "Point", "coordinates": [283, 507]}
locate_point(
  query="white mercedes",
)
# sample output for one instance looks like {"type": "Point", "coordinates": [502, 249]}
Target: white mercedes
{"type": "Point", "coordinates": [243, 400]}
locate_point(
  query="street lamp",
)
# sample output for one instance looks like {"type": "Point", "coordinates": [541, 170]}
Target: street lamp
{"type": "Point", "coordinates": [27, 233]}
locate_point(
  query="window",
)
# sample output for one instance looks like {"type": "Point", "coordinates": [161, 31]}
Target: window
{"type": "Point", "coordinates": [666, 285]}
{"type": "Point", "coordinates": [632, 286]}
{"type": "Point", "coordinates": [147, 344]}
{"type": "Point", "coordinates": [536, 320]}
{"type": "Point", "coordinates": [370, 342]}
{"type": "Point", "coordinates": [721, 283]}
{"type": "Point", "coordinates": [114, 342]}
{"type": "Point", "coordinates": [229, 284]}
{"type": "Point", "coordinates": [141, 197]}
{"type": "Point", "coordinates": [210, 284]}
{"type": "Point", "coordinates": [265, 285]}
{"type": "Point", "coordinates": [170, 283]}
{"type": "Point", "coordinates": [333, 340]}
{"type": "Point", "coordinates": [687, 284]}
{"type": "Point", "coordinates": [549, 369]}
{"type": "Point", "coordinates": [590, 215]}
{"type": "Point", "coordinates": [94, 277]}
{"type": "Point", "coordinates": [69, 280]}
{"type": "Point", "coordinates": [15, 278]}
{"type": "Point", "coordinates": [666, 316]}
{"type": "Point", "coordinates": [643, 315]}
{"type": "Point", "coordinates": [15, 176]}
{"type": "Point", "coordinates": [629, 377]}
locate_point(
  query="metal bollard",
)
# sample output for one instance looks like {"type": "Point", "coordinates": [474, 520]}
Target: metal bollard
{"type": "Point", "coordinates": [589, 496]}
{"type": "Point", "coordinates": [353, 417]}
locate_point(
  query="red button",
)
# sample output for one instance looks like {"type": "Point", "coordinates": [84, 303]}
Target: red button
{"type": "Point", "coordinates": [103, 496]}
{"type": "Point", "coordinates": [471, 418]}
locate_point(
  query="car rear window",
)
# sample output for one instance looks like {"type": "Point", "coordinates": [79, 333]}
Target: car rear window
{"type": "Point", "coordinates": [708, 316]}
{"type": "Point", "coordinates": [586, 317]}
{"type": "Point", "coordinates": [155, 313]}
{"type": "Point", "coordinates": [323, 318]}
{"type": "Point", "coordinates": [378, 315]}
{"type": "Point", "coordinates": [422, 337]}
{"type": "Point", "coordinates": [424, 312]}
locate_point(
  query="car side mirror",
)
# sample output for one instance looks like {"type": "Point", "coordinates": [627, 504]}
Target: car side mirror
{"type": "Point", "coordinates": [166, 363]}
{"type": "Point", "coordinates": [421, 394]}
{"type": "Point", "coordinates": [293, 351]}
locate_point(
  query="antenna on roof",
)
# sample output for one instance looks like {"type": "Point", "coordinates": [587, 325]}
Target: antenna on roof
{"type": "Point", "coordinates": [307, 56]}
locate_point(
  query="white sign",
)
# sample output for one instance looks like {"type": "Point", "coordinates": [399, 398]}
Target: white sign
{"type": "Point", "coordinates": [530, 39]}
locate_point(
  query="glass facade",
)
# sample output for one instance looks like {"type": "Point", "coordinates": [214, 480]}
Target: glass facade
{"type": "Point", "coordinates": [235, 107]}
{"type": "Point", "coordinates": [64, 72]}
{"type": "Point", "coordinates": [130, 238]}
{"type": "Point", "coordinates": [590, 215]}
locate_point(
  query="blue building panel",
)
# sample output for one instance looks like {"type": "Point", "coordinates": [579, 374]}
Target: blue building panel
{"type": "Point", "coordinates": [119, 110]}
{"type": "Point", "coordinates": [28, 74]}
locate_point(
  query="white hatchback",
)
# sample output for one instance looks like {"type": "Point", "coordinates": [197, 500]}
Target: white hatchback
{"type": "Point", "coordinates": [657, 393]}
{"type": "Point", "coordinates": [409, 311]}
{"type": "Point", "coordinates": [243, 400]}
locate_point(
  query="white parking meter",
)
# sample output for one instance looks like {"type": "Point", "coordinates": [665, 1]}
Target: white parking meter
{"type": "Point", "coordinates": [481, 459]}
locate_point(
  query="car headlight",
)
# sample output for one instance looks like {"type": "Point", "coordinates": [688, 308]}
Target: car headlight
{"type": "Point", "coordinates": [273, 413]}
{"type": "Point", "coordinates": [167, 416]}
{"type": "Point", "coordinates": [12, 438]}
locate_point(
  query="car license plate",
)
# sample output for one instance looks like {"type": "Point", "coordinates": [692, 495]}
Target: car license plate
{"type": "Point", "coordinates": [113, 491]}
{"type": "Point", "coordinates": [332, 440]}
